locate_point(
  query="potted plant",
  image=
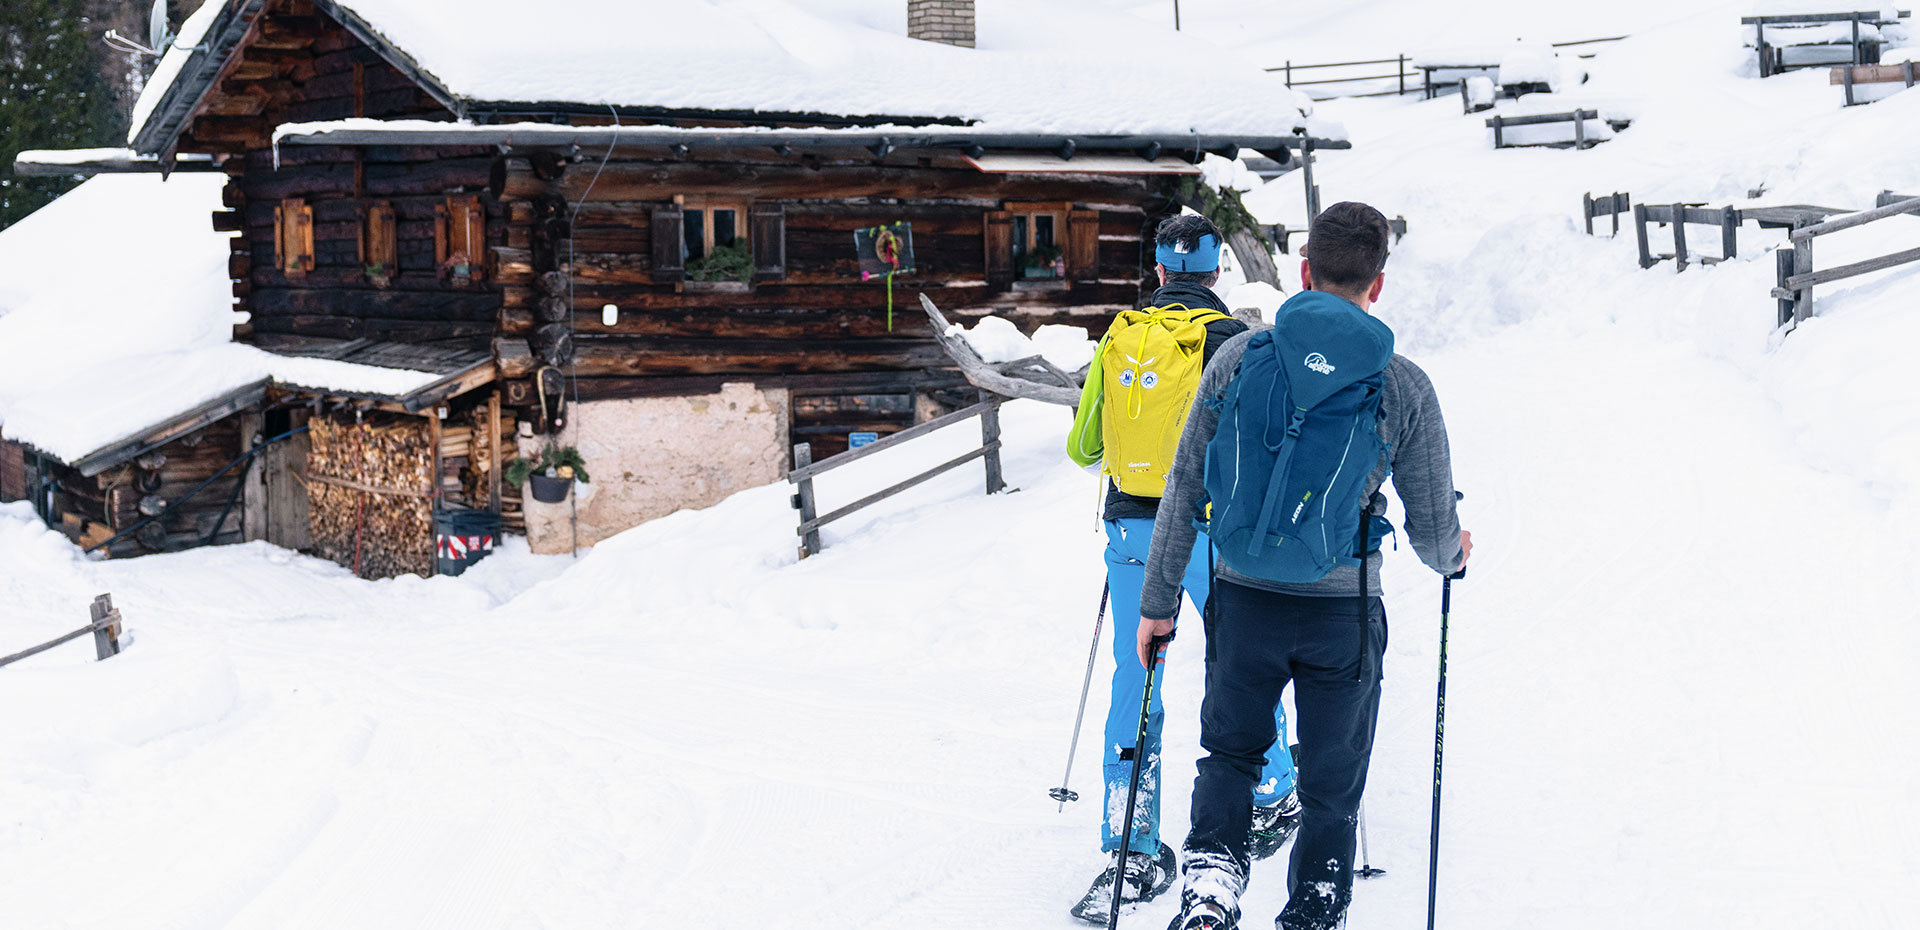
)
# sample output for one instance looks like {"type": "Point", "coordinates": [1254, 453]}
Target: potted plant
{"type": "Point", "coordinates": [550, 473]}
{"type": "Point", "coordinates": [730, 263]}
{"type": "Point", "coordinates": [1043, 262]}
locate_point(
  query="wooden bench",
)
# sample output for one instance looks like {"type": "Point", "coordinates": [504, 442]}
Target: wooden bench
{"type": "Point", "coordinates": [1862, 50]}
{"type": "Point", "coordinates": [1578, 118]}
{"type": "Point", "coordinates": [1849, 75]}
{"type": "Point", "coordinates": [1728, 219]}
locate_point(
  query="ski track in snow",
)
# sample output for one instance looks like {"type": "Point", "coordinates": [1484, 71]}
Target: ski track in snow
{"type": "Point", "coordinates": [1679, 691]}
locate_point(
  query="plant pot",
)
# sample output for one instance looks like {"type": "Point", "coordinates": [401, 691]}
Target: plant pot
{"type": "Point", "coordinates": [548, 490]}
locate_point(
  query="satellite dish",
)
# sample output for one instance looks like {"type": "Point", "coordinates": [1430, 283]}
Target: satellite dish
{"type": "Point", "coordinates": [158, 36]}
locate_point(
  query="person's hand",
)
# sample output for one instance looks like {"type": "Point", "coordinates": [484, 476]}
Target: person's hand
{"type": "Point", "coordinates": [1466, 547]}
{"type": "Point", "coordinates": [1149, 630]}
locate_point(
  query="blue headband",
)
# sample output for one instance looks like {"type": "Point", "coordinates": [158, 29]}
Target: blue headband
{"type": "Point", "coordinates": [1204, 257]}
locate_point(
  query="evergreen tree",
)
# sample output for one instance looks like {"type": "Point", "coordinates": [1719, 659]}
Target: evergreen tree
{"type": "Point", "coordinates": [51, 96]}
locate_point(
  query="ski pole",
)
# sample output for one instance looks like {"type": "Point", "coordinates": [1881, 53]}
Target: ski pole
{"type": "Point", "coordinates": [1366, 869]}
{"type": "Point", "coordinates": [1063, 794]}
{"type": "Point", "coordinates": [1133, 783]}
{"type": "Point", "coordinates": [1439, 744]}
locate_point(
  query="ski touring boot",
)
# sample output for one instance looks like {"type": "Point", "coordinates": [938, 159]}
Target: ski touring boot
{"type": "Point", "coordinates": [1146, 877]}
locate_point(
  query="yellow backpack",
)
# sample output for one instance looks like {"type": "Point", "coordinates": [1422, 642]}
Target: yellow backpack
{"type": "Point", "coordinates": [1147, 369]}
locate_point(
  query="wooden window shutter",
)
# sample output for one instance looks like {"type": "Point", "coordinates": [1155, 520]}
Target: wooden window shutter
{"type": "Point", "coordinates": [293, 236]}
{"type": "Point", "coordinates": [379, 246]}
{"type": "Point", "coordinates": [999, 241]}
{"type": "Point", "coordinates": [767, 234]}
{"type": "Point", "coordinates": [669, 239]}
{"type": "Point", "coordinates": [460, 238]}
{"type": "Point", "coordinates": [1083, 245]}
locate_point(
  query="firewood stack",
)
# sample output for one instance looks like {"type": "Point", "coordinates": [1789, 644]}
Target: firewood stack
{"type": "Point", "coordinates": [367, 486]}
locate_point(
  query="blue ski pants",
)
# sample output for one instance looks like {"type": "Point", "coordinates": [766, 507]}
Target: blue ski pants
{"type": "Point", "coordinates": [1127, 542]}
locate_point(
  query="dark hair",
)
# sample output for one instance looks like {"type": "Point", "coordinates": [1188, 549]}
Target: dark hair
{"type": "Point", "coordinates": [1184, 231]}
{"type": "Point", "coordinates": [1347, 246]}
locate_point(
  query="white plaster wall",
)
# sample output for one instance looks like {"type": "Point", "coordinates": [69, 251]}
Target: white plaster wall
{"type": "Point", "coordinates": [649, 457]}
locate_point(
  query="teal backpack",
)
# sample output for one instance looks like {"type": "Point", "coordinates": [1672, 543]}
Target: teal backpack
{"type": "Point", "coordinates": [1297, 438]}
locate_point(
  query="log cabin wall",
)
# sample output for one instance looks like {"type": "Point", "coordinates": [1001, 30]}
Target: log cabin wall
{"type": "Point", "coordinates": [806, 313]}
{"type": "Point", "coordinates": [93, 509]}
{"type": "Point", "coordinates": [344, 292]}
{"type": "Point", "coordinates": [330, 277]}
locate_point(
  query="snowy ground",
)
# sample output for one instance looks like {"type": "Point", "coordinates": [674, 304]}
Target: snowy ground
{"type": "Point", "coordinates": [1680, 691]}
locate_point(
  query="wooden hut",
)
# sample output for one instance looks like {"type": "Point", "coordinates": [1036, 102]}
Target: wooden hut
{"type": "Point", "coordinates": [661, 239]}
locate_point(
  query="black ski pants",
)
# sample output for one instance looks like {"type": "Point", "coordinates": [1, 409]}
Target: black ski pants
{"type": "Point", "coordinates": [1257, 642]}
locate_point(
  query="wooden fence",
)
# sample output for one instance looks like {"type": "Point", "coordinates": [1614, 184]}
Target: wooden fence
{"type": "Point", "coordinates": [105, 627]}
{"type": "Point", "coordinates": [1578, 118]}
{"type": "Point", "coordinates": [1795, 266]}
{"type": "Point", "coordinates": [1679, 215]}
{"type": "Point", "coordinates": [1612, 205]}
{"type": "Point", "coordinates": [805, 469]}
{"type": "Point", "coordinates": [1405, 78]}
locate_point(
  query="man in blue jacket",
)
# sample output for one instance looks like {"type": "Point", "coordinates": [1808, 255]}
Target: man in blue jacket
{"type": "Point", "coordinates": [1263, 635]}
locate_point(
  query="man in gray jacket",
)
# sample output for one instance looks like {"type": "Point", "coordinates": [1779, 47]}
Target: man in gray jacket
{"type": "Point", "coordinates": [1262, 634]}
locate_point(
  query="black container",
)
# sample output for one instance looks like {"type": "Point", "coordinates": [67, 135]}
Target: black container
{"type": "Point", "coordinates": [549, 490]}
{"type": "Point", "coordinates": [463, 537]}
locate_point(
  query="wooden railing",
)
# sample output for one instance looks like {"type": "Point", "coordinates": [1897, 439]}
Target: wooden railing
{"type": "Point", "coordinates": [105, 628]}
{"type": "Point", "coordinates": [1612, 205]}
{"type": "Point", "coordinates": [1400, 75]}
{"type": "Point", "coordinates": [805, 469]}
{"type": "Point", "coordinates": [1795, 266]}
{"type": "Point", "coordinates": [1727, 219]}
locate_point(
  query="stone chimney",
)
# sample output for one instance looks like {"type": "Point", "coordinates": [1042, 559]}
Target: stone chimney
{"type": "Point", "coordinates": [949, 21]}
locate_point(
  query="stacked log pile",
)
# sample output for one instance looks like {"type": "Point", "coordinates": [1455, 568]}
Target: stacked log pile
{"type": "Point", "coordinates": [368, 487]}
{"type": "Point", "coordinates": [466, 462]}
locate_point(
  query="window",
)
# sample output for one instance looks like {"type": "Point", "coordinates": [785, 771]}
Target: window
{"type": "Point", "coordinates": [460, 239]}
{"type": "Point", "coordinates": [293, 236]}
{"type": "Point", "coordinates": [715, 240]}
{"type": "Point", "coordinates": [379, 251]}
{"type": "Point", "coordinates": [1042, 242]}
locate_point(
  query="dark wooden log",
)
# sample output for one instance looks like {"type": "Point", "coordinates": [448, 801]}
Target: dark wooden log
{"type": "Point", "coordinates": [343, 327]}
{"type": "Point", "coordinates": [631, 357]}
{"type": "Point", "coordinates": [552, 310]}
{"type": "Point", "coordinates": [661, 181]}
{"type": "Point", "coordinates": [553, 344]}
{"type": "Point", "coordinates": [452, 306]}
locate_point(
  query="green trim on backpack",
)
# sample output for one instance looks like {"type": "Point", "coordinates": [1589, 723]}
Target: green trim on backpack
{"type": "Point", "coordinates": [1085, 445]}
{"type": "Point", "coordinates": [1091, 438]}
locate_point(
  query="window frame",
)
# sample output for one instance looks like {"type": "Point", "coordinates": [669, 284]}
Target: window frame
{"type": "Point", "coordinates": [707, 205]}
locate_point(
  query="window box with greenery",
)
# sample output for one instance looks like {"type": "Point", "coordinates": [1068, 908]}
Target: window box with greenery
{"type": "Point", "coordinates": [551, 473]}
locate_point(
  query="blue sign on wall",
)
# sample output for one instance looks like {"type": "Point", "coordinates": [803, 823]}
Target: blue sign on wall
{"type": "Point", "coordinates": [856, 440]}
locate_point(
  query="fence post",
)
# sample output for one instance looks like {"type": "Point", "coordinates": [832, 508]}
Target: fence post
{"type": "Point", "coordinates": [1679, 237]}
{"type": "Point", "coordinates": [1289, 72]}
{"type": "Point", "coordinates": [1497, 121]}
{"type": "Point", "coordinates": [1783, 268]}
{"type": "Point", "coordinates": [1579, 129]}
{"type": "Point", "coordinates": [1857, 57]}
{"type": "Point", "coordinates": [1640, 232]}
{"type": "Point", "coordinates": [1306, 174]}
{"type": "Point", "coordinates": [1403, 76]}
{"type": "Point", "coordinates": [1846, 78]}
{"type": "Point", "coordinates": [990, 440]}
{"type": "Point", "coordinates": [1729, 232]}
{"type": "Point", "coordinates": [1618, 207]}
{"type": "Point", "coordinates": [1803, 264]}
{"type": "Point", "coordinates": [106, 636]}
{"type": "Point", "coordinates": [1586, 210]}
{"type": "Point", "coordinates": [803, 499]}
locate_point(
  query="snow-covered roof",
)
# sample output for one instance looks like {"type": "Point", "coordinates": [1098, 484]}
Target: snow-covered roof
{"type": "Point", "coordinates": [1041, 66]}
{"type": "Point", "coordinates": [116, 315]}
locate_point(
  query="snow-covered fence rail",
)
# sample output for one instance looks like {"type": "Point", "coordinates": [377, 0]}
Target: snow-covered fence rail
{"type": "Point", "coordinates": [1850, 75]}
{"type": "Point", "coordinates": [1679, 215]}
{"type": "Point", "coordinates": [805, 469]}
{"type": "Point", "coordinates": [1395, 83]}
{"type": "Point", "coordinates": [105, 628]}
{"type": "Point", "coordinates": [1579, 119]}
{"type": "Point", "coordinates": [1887, 197]}
{"type": "Point", "coordinates": [1795, 266]}
{"type": "Point", "coordinates": [1612, 205]}
{"type": "Point", "coordinates": [1819, 40]}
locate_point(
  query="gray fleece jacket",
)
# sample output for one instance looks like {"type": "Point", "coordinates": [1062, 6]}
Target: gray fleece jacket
{"type": "Point", "coordinates": [1410, 423]}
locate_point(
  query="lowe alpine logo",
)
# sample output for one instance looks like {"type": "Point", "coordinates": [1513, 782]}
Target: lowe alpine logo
{"type": "Point", "coordinates": [1318, 362]}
